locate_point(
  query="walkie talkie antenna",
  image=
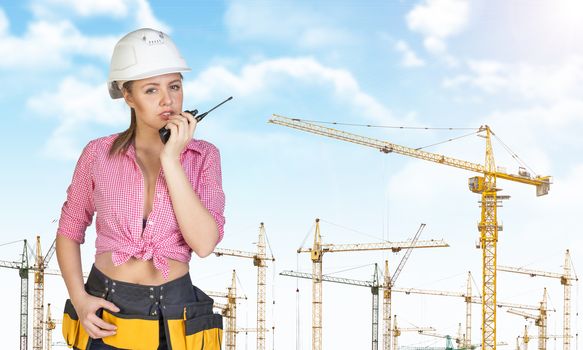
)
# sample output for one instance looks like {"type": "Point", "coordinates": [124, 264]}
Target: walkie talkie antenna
{"type": "Point", "coordinates": [199, 117]}
{"type": "Point", "coordinates": [165, 133]}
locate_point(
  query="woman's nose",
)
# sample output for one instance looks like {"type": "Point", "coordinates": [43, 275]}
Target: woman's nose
{"type": "Point", "coordinates": [165, 97]}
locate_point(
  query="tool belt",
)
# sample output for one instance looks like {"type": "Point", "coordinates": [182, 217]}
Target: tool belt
{"type": "Point", "coordinates": [185, 312]}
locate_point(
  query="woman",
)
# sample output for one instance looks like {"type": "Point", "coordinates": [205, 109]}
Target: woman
{"type": "Point", "coordinates": [155, 203]}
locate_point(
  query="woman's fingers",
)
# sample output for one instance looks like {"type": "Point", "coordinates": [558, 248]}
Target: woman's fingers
{"type": "Point", "coordinates": [191, 123]}
{"type": "Point", "coordinates": [98, 328]}
{"type": "Point", "coordinates": [181, 126]}
{"type": "Point", "coordinates": [101, 324]}
{"type": "Point", "coordinates": [109, 305]}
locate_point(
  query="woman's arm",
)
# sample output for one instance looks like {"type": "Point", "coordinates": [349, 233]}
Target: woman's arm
{"type": "Point", "coordinates": [198, 226]}
{"type": "Point", "coordinates": [86, 305]}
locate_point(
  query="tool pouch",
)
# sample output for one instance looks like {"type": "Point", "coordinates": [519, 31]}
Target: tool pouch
{"type": "Point", "coordinates": [136, 332]}
{"type": "Point", "coordinates": [75, 336]}
{"type": "Point", "coordinates": [198, 328]}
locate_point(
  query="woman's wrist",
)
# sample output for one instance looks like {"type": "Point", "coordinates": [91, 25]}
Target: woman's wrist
{"type": "Point", "coordinates": [78, 296]}
{"type": "Point", "coordinates": [169, 161]}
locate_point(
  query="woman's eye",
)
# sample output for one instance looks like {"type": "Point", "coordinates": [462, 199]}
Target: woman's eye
{"type": "Point", "coordinates": [175, 87]}
{"type": "Point", "coordinates": [150, 91]}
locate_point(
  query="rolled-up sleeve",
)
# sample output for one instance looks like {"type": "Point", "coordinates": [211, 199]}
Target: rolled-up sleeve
{"type": "Point", "coordinates": [78, 209]}
{"type": "Point", "coordinates": [211, 189]}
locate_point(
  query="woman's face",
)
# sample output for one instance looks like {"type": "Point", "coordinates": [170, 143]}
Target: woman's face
{"type": "Point", "coordinates": [155, 99]}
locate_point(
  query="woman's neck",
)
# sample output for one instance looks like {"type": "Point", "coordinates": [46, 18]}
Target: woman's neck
{"type": "Point", "coordinates": [148, 141]}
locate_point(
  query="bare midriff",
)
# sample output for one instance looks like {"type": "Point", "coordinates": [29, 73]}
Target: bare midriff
{"type": "Point", "coordinates": [139, 271]}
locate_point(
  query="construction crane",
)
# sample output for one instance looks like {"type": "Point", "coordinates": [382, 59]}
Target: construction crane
{"type": "Point", "coordinates": [458, 340]}
{"type": "Point", "coordinates": [484, 185]}
{"type": "Point", "coordinates": [23, 269]}
{"type": "Point", "coordinates": [260, 261]}
{"type": "Point", "coordinates": [397, 332]}
{"type": "Point", "coordinates": [526, 338]}
{"type": "Point", "coordinates": [389, 282]}
{"type": "Point", "coordinates": [408, 291]}
{"type": "Point", "coordinates": [566, 278]}
{"type": "Point", "coordinates": [448, 339]}
{"type": "Point", "coordinates": [469, 300]}
{"type": "Point", "coordinates": [540, 321]}
{"type": "Point", "coordinates": [229, 311]}
{"type": "Point", "coordinates": [38, 303]}
{"type": "Point", "coordinates": [373, 285]}
{"type": "Point", "coordinates": [39, 293]}
{"type": "Point", "coordinates": [317, 251]}
{"type": "Point", "coordinates": [50, 325]}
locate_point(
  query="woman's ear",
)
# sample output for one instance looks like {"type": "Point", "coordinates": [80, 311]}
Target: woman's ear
{"type": "Point", "coordinates": [128, 98]}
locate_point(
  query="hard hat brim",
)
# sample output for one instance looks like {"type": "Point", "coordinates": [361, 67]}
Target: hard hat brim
{"type": "Point", "coordinates": [115, 90]}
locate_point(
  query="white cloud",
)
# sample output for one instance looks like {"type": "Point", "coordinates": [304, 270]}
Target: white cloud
{"type": "Point", "coordinates": [52, 40]}
{"type": "Point", "coordinates": [4, 22]}
{"type": "Point", "coordinates": [146, 18]}
{"type": "Point", "coordinates": [50, 45]}
{"type": "Point", "coordinates": [76, 104]}
{"type": "Point", "coordinates": [264, 75]}
{"type": "Point", "coordinates": [287, 22]}
{"type": "Point", "coordinates": [409, 58]}
{"type": "Point", "coordinates": [85, 8]}
{"type": "Point", "coordinates": [438, 20]}
{"type": "Point", "coordinates": [140, 10]}
{"type": "Point", "coordinates": [542, 83]}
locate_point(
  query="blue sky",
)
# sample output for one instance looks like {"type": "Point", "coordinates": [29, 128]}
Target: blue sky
{"type": "Point", "coordinates": [516, 66]}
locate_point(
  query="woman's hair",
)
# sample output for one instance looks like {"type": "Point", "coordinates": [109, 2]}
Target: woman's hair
{"type": "Point", "coordinates": [125, 139]}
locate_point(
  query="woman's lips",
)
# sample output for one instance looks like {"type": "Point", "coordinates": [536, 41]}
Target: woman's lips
{"type": "Point", "coordinates": [166, 115]}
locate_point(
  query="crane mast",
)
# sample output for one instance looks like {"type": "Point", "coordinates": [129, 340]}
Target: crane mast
{"type": "Point", "coordinates": [260, 261]}
{"type": "Point", "coordinates": [23, 271]}
{"type": "Point", "coordinates": [484, 185]}
{"type": "Point", "coordinates": [566, 278]}
{"type": "Point", "coordinates": [316, 256]}
{"type": "Point", "coordinates": [229, 311]}
{"type": "Point", "coordinates": [387, 304]}
{"type": "Point", "coordinates": [540, 321]}
{"type": "Point", "coordinates": [389, 282]}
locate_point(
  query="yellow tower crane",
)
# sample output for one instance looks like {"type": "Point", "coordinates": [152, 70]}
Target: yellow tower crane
{"type": "Point", "coordinates": [397, 332]}
{"type": "Point", "coordinates": [540, 321]}
{"type": "Point", "coordinates": [260, 261]}
{"type": "Point", "coordinates": [50, 325]}
{"type": "Point", "coordinates": [38, 303]}
{"type": "Point", "coordinates": [317, 251]}
{"type": "Point", "coordinates": [566, 278]}
{"type": "Point", "coordinates": [484, 185]}
{"type": "Point", "coordinates": [374, 286]}
{"type": "Point", "coordinates": [526, 338]}
{"type": "Point", "coordinates": [469, 300]}
{"type": "Point", "coordinates": [388, 283]}
{"type": "Point", "coordinates": [229, 311]}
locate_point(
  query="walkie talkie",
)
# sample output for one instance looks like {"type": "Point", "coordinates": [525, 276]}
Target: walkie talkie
{"type": "Point", "coordinates": [165, 133]}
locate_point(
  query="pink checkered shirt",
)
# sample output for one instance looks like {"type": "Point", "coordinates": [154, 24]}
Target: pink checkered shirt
{"type": "Point", "coordinates": [113, 187]}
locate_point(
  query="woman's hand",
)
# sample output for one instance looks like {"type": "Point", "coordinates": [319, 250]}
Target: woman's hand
{"type": "Point", "coordinates": [181, 128]}
{"type": "Point", "coordinates": [86, 307]}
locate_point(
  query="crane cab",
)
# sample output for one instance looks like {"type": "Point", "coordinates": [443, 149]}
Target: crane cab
{"type": "Point", "coordinates": [476, 184]}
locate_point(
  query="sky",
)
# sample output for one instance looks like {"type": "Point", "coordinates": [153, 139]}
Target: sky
{"type": "Point", "coordinates": [516, 66]}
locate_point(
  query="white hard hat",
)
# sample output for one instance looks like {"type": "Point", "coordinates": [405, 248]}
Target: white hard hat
{"type": "Point", "coordinates": [141, 54]}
